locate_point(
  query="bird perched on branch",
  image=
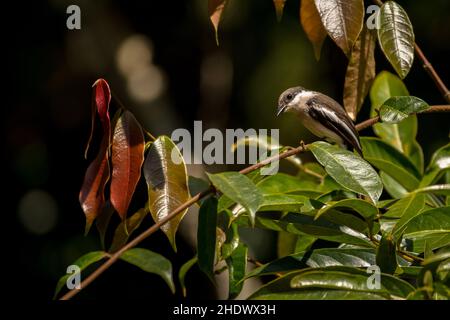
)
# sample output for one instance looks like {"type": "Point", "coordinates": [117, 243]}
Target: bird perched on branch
{"type": "Point", "coordinates": [321, 115]}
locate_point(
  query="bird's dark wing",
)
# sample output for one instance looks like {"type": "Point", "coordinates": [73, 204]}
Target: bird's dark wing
{"type": "Point", "coordinates": [332, 116]}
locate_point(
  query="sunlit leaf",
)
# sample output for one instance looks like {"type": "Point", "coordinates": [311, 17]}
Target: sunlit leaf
{"type": "Point", "coordinates": [92, 194]}
{"type": "Point", "coordinates": [312, 24]}
{"type": "Point", "coordinates": [396, 37]}
{"type": "Point", "coordinates": [400, 135]}
{"type": "Point", "coordinates": [206, 236]}
{"type": "Point", "coordinates": [321, 228]}
{"type": "Point", "coordinates": [165, 173]}
{"type": "Point", "coordinates": [83, 262]}
{"type": "Point", "coordinates": [438, 164]}
{"type": "Point", "coordinates": [343, 21]}
{"type": "Point", "coordinates": [92, 197]}
{"type": "Point", "coordinates": [349, 170]}
{"type": "Point", "coordinates": [122, 233]}
{"type": "Point", "coordinates": [398, 108]}
{"type": "Point", "coordinates": [360, 72]}
{"type": "Point", "coordinates": [431, 227]}
{"type": "Point", "coordinates": [215, 11]}
{"type": "Point", "coordinates": [282, 183]}
{"type": "Point", "coordinates": [395, 189]}
{"type": "Point", "coordinates": [411, 203]}
{"type": "Point", "coordinates": [317, 258]}
{"type": "Point", "coordinates": [101, 97]}
{"type": "Point", "coordinates": [237, 265]}
{"type": "Point", "coordinates": [151, 262]}
{"type": "Point", "coordinates": [286, 243]}
{"type": "Point", "coordinates": [412, 207]}
{"type": "Point", "coordinates": [365, 209]}
{"type": "Point", "coordinates": [127, 159]}
{"type": "Point", "coordinates": [238, 188]}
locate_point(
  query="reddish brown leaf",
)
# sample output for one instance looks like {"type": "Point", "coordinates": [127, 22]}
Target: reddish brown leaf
{"type": "Point", "coordinates": [127, 158]}
{"type": "Point", "coordinates": [360, 72]}
{"type": "Point", "coordinates": [92, 198]}
{"type": "Point", "coordinates": [311, 23]}
{"type": "Point", "coordinates": [101, 97]}
{"type": "Point", "coordinates": [215, 10]}
{"type": "Point", "coordinates": [279, 6]}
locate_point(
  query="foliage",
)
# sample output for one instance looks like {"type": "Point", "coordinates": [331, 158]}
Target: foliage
{"type": "Point", "coordinates": [340, 215]}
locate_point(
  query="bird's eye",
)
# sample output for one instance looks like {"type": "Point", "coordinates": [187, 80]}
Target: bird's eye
{"type": "Point", "coordinates": [289, 97]}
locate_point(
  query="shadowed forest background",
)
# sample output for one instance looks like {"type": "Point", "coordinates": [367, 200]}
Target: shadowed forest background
{"type": "Point", "coordinates": [160, 58]}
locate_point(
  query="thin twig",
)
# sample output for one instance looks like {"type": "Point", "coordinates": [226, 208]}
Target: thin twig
{"type": "Point", "coordinates": [302, 148]}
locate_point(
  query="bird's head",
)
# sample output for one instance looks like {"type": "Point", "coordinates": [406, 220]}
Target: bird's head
{"type": "Point", "coordinates": [292, 99]}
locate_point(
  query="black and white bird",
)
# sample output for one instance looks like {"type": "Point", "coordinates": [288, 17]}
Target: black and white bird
{"type": "Point", "coordinates": [321, 115]}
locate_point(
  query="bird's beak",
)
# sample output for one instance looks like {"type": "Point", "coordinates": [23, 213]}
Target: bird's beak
{"type": "Point", "coordinates": [281, 109]}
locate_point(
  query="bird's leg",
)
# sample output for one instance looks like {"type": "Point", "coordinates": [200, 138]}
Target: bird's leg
{"type": "Point", "coordinates": [302, 144]}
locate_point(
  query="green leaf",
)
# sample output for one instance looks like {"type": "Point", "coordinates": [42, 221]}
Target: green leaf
{"type": "Point", "coordinates": [300, 224]}
{"type": "Point", "coordinates": [237, 265]}
{"type": "Point", "coordinates": [197, 185]}
{"type": "Point", "coordinates": [282, 202]}
{"type": "Point", "coordinates": [412, 207]}
{"type": "Point", "coordinates": [206, 236]}
{"type": "Point", "coordinates": [166, 176]}
{"type": "Point", "coordinates": [400, 135]}
{"type": "Point", "coordinates": [83, 262]}
{"type": "Point", "coordinates": [317, 258]}
{"type": "Point", "coordinates": [396, 37]}
{"type": "Point", "coordinates": [282, 183]}
{"type": "Point", "coordinates": [388, 159]}
{"type": "Point", "coordinates": [395, 189]}
{"type": "Point", "coordinates": [349, 170]}
{"type": "Point", "coordinates": [439, 163]}
{"type": "Point", "coordinates": [333, 283]}
{"type": "Point", "coordinates": [415, 154]}
{"type": "Point", "coordinates": [386, 254]}
{"type": "Point", "coordinates": [398, 108]}
{"type": "Point", "coordinates": [183, 271]}
{"type": "Point", "coordinates": [151, 262]}
{"type": "Point", "coordinates": [122, 233]}
{"type": "Point", "coordinates": [431, 227]}
{"type": "Point", "coordinates": [343, 21]}
{"type": "Point", "coordinates": [240, 189]}
{"type": "Point", "coordinates": [286, 243]}
{"type": "Point", "coordinates": [365, 209]}
{"type": "Point", "coordinates": [231, 242]}
{"type": "Point", "coordinates": [304, 243]}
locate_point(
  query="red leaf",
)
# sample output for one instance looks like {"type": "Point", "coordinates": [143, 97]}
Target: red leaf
{"type": "Point", "coordinates": [92, 194]}
{"type": "Point", "coordinates": [101, 97]}
{"type": "Point", "coordinates": [127, 158]}
{"type": "Point", "coordinates": [92, 197]}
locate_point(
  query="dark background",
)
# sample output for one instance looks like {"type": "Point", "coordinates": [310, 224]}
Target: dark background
{"type": "Point", "coordinates": [187, 77]}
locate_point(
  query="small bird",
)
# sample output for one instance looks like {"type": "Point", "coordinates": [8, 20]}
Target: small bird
{"type": "Point", "coordinates": [321, 115]}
